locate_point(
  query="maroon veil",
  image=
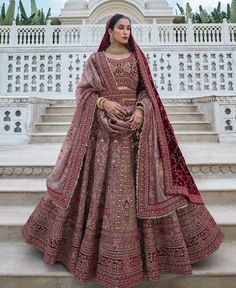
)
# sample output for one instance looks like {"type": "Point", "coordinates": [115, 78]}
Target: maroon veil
{"type": "Point", "coordinates": [157, 133]}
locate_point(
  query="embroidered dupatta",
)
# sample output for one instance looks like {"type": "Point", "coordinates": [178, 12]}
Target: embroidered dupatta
{"type": "Point", "coordinates": [158, 147]}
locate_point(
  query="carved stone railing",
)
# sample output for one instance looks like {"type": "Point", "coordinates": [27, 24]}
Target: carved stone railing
{"type": "Point", "coordinates": [185, 59]}
{"type": "Point", "coordinates": [145, 34]}
{"type": "Point", "coordinates": [194, 61]}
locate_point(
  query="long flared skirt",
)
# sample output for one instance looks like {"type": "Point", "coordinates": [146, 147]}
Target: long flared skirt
{"type": "Point", "coordinates": [100, 236]}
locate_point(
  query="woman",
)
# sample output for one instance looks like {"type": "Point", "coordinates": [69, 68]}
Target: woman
{"type": "Point", "coordinates": [121, 204]}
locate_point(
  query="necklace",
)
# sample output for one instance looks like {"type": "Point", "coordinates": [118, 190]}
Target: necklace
{"type": "Point", "coordinates": [117, 51]}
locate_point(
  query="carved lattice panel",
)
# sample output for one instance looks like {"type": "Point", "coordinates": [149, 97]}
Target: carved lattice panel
{"type": "Point", "coordinates": [207, 33]}
{"type": "Point", "coordinates": [13, 120]}
{"type": "Point", "coordinates": [4, 36]}
{"type": "Point", "coordinates": [205, 71]}
{"type": "Point", "coordinates": [229, 118]}
{"type": "Point", "coordinates": [30, 35]}
{"type": "Point", "coordinates": [161, 68]}
{"type": "Point", "coordinates": [76, 62]}
{"type": "Point", "coordinates": [34, 73]}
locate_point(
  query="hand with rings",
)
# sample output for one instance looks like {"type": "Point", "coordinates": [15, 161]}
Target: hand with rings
{"type": "Point", "coordinates": [115, 109]}
{"type": "Point", "coordinates": [137, 119]}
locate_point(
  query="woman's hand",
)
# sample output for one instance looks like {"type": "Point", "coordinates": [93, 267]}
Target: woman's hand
{"type": "Point", "coordinates": [137, 119]}
{"type": "Point", "coordinates": [115, 109]}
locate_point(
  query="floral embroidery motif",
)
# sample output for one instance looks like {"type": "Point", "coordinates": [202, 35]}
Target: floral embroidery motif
{"type": "Point", "coordinates": [125, 71]}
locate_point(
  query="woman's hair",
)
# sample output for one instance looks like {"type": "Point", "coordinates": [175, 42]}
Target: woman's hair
{"type": "Point", "coordinates": [115, 18]}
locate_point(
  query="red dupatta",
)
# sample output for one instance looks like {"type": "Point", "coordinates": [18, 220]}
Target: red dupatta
{"type": "Point", "coordinates": [157, 134]}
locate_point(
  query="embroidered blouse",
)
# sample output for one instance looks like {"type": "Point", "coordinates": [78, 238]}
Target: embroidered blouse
{"type": "Point", "coordinates": [125, 71]}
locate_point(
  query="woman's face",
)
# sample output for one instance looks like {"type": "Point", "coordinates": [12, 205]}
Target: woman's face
{"type": "Point", "coordinates": [121, 31]}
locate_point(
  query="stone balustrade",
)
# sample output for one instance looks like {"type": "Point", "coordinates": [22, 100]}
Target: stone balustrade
{"type": "Point", "coordinates": [187, 61]}
{"type": "Point", "coordinates": [146, 34]}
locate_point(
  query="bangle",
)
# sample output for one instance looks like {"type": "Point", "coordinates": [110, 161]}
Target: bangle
{"type": "Point", "coordinates": [99, 102]}
{"type": "Point", "coordinates": [140, 107]}
{"type": "Point", "coordinates": [102, 103]}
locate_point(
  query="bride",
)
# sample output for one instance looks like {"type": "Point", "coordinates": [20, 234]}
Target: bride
{"type": "Point", "coordinates": [121, 204]}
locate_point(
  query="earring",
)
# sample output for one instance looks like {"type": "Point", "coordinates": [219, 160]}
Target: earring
{"type": "Point", "coordinates": [111, 38]}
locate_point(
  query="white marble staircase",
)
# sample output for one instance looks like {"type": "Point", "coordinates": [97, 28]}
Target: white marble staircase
{"type": "Point", "coordinates": [23, 170]}
{"type": "Point", "coordinates": [189, 124]}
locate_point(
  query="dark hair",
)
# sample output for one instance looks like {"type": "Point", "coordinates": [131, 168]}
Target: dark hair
{"type": "Point", "coordinates": [115, 18]}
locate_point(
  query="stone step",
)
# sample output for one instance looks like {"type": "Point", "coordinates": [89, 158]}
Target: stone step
{"type": "Point", "coordinates": [12, 218]}
{"type": "Point", "coordinates": [190, 136]}
{"type": "Point", "coordinates": [186, 116]}
{"type": "Point", "coordinates": [52, 127]}
{"type": "Point", "coordinates": [213, 170]}
{"type": "Point", "coordinates": [25, 170]}
{"type": "Point", "coordinates": [205, 160]}
{"type": "Point", "coordinates": [173, 116]}
{"type": "Point", "coordinates": [65, 109]}
{"type": "Point", "coordinates": [198, 170]}
{"type": "Point", "coordinates": [217, 190]}
{"type": "Point", "coordinates": [23, 192]}
{"type": "Point", "coordinates": [23, 267]}
{"type": "Point", "coordinates": [197, 136]}
{"type": "Point", "coordinates": [187, 126]}
{"type": "Point", "coordinates": [177, 125]}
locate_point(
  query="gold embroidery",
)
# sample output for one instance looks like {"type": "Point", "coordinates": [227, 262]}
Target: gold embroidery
{"type": "Point", "coordinates": [124, 71]}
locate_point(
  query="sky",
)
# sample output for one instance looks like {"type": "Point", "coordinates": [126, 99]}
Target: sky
{"type": "Point", "coordinates": [56, 5]}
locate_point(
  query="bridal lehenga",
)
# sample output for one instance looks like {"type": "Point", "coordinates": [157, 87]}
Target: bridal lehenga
{"type": "Point", "coordinates": [121, 206]}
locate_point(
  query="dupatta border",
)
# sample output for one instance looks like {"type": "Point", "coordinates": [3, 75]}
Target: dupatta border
{"type": "Point", "coordinates": [146, 210]}
{"type": "Point", "coordinates": [63, 198]}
